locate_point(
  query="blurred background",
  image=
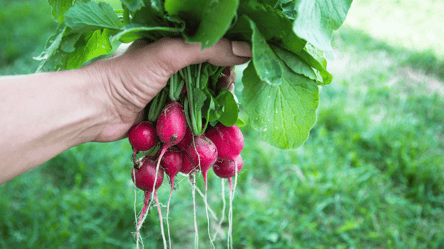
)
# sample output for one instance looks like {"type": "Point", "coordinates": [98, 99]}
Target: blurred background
{"type": "Point", "coordinates": [371, 174]}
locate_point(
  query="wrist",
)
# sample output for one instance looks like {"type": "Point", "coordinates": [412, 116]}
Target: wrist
{"type": "Point", "coordinates": [95, 78]}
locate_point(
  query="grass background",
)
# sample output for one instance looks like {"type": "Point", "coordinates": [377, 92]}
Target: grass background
{"type": "Point", "coordinates": [371, 175]}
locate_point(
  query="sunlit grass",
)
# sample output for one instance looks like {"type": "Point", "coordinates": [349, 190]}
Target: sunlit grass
{"type": "Point", "coordinates": [410, 24]}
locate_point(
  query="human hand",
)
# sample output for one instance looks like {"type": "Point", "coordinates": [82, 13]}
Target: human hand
{"type": "Point", "coordinates": [126, 83]}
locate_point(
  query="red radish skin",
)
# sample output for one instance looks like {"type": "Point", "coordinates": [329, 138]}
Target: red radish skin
{"type": "Point", "coordinates": [145, 176]}
{"type": "Point", "coordinates": [187, 166]}
{"type": "Point", "coordinates": [172, 162]}
{"type": "Point", "coordinates": [171, 124]}
{"type": "Point", "coordinates": [183, 144]}
{"type": "Point", "coordinates": [142, 137]}
{"type": "Point", "coordinates": [229, 140]}
{"type": "Point", "coordinates": [202, 152]}
{"type": "Point", "coordinates": [226, 168]}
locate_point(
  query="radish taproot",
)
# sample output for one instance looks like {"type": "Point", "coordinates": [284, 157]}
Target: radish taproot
{"type": "Point", "coordinates": [149, 179]}
{"type": "Point", "coordinates": [183, 144]}
{"type": "Point", "coordinates": [229, 140]}
{"type": "Point", "coordinates": [224, 168]}
{"type": "Point", "coordinates": [171, 125]}
{"type": "Point", "coordinates": [142, 137]}
{"type": "Point", "coordinates": [203, 153]}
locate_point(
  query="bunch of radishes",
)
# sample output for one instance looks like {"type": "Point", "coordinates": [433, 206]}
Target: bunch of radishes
{"type": "Point", "coordinates": [181, 151]}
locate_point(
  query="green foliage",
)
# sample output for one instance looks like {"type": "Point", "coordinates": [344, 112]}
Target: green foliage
{"type": "Point", "coordinates": [269, 107]}
{"type": "Point", "coordinates": [92, 16]}
{"type": "Point", "coordinates": [316, 20]}
{"type": "Point", "coordinates": [206, 22]}
{"type": "Point", "coordinates": [59, 7]}
{"type": "Point", "coordinates": [269, 67]}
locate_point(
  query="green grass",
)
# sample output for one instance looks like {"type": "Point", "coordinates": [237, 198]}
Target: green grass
{"type": "Point", "coordinates": [371, 175]}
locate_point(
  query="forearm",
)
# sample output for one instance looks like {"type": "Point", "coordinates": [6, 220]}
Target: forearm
{"type": "Point", "coordinates": [43, 115]}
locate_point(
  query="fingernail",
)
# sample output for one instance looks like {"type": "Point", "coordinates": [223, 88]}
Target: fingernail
{"type": "Point", "coordinates": [241, 49]}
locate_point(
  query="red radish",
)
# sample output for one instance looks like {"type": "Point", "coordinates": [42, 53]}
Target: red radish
{"type": "Point", "coordinates": [202, 152]}
{"type": "Point", "coordinates": [187, 166]}
{"type": "Point", "coordinates": [228, 140]}
{"type": "Point", "coordinates": [145, 176]}
{"type": "Point", "coordinates": [171, 124]}
{"type": "Point", "coordinates": [183, 144]}
{"type": "Point", "coordinates": [226, 168]}
{"type": "Point", "coordinates": [146, 179]}
{"type": "Point", "coordinates": [172, 162]}
{"type": "Point", "coordinates": [142, 137]}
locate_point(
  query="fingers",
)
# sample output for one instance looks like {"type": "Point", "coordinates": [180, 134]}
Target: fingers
{"type": "Point", "coordinates": [227, 79]}
{"type": "Point", "coordinates": [177, 54]}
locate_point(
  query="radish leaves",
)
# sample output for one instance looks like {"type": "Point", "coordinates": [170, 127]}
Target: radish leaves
{"type": "Point", "coordinates": [283, 114]}
{"type": "Point", "coordinates": [206, 21]}
{"type": "Point", "coordinates": [317, 19]}
{"type": "Point", "coordinates": [59, 7]}
{"type": "Point", "coordinates": [268, 65]}
{"type": "Point", "coordinates": [87, 16]}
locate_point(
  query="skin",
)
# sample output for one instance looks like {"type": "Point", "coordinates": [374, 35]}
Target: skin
{"type": "Point", "coordinates": [47, 113]}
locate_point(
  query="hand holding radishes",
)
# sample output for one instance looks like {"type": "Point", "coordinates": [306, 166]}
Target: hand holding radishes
{"type": "Point", "coordinates": [104, 100]}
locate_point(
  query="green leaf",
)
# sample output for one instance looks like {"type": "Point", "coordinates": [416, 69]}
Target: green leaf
{"type": "Point", "coordinates": [241, 30]}
{"type": "Point", "coordinates": [294, 62]}
{"type": "Point", "coordinates": [157, 5]}
{"type": "Point", "coordinates": [317, 19]}
{"type": "Point", "coordinates": [199, 98]}
{"type": "Point", "coordinates": [131, 32]}
{"type": "Point", "coordinates": [272, 24]}
{"type": "Point", "coordinates": [211, 109]}
{"type": "Point", "coordinates": [59, 7]}
{"type": "Point", "coordinates": [288, 8]}
{"type": "Point", "coordinates": [91, 16]}
{"type": "Point", "coordinates": [53, 43]}
{"type": "Point", "coordinates": [69, 40]}
{"type": "Point", "coordinates": [133, 5]}
{"type": "Point", "coordinates": [54, 56]}
{"type": "Point", "coordinates": [230, 109]}
{"type": "Point", "coordinates": [282, 114]}
{"type": "Point", "coordinates": [240, 122]}
{"type": "Point", "coordinates": [96, 44]}
{"type": "Point", "coordinates": [206, 21]}
{"type": "Point", "coordinates": [268, 66]}
{"type": "Point", "coordinates": [315, 58]}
